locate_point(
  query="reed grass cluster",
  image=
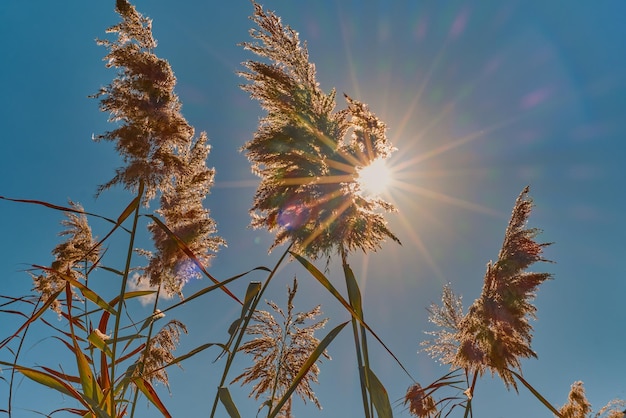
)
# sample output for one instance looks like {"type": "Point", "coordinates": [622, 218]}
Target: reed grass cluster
{"type": "Point", "coordinates": [307, 155]}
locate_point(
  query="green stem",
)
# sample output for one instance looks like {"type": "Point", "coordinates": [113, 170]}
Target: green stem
{"type": "Point", "coordinates": [15, 359]}
{"type": "Point", "coordinates": [362, 377]}
{"type": "Point", "coordinates": [278, 366]}
{"type": "Point", "coordinates": [146, 350]}
{"type": "Point", "coordinates": [243, 327]}
{"type": "Point", "coordinates": [359, 342]}
{"type": "Point", "coordinates": [537, 394]}
{"type": "Point", "coordinates": [468, 408]}
{"type": "Point", "coordinates": [129, 255]}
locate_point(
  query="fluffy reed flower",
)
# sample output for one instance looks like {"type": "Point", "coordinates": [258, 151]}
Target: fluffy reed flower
{"type": "Point", "coordinates": [302, 150]}
{"type": "Point", "coordinates": [578, 406]}
{"type": "Point", "coordinates": [142, 101]}
{"type": "Point", "coordinates": [420, 404]}
{"type": "Point", "coordinates": [158, 145]}
{"type": "Point", "coordinates": [71, 257]}
{"type": "Point", "coordinates": [182, 211]}
{"type": "Point", "coordinates": [159, 352]}
{"type": "Point", "coordinates": [614, 409]}
{"type": "Point", "coordinates": [495, 333]}
{"type": "Point", "coordinates": [447, 317]}
{"type": "Point", "coordinates": [280, 350]}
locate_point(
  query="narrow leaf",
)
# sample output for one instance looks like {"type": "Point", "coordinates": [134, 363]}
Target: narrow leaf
{"type": "Point", "coordinates": [112, 270]}
{"type": "Point", "coordinates": [57, 207]}
{"type": "Point", "coordinates": [191, 354]}
{"type": "Point", "coordinates": [228, 403]}
{"type": "Point", "coordinates": [328, 285]}
{"type": "Point", "coordinates": [378, 395]}
{"type": "Point", "coordinates": [251, 294]}
{"type": "Point", "coordinates": [99, 343]}
{"type": "Point", "coordinates": [52, 382]}
{"type": "Point", "coordinates": [129, 210]}
{"type": "Point", "coordinates": [84, 290]}
{"type": "Point", "coordinates": [354, 294]}
{"type": "Point", "coordinates": [91, 295]}
{"type": "Point", "coordinates": [34, 316]}
{"type": "Point", "coordinates": [211, 288]}
{"type": "Point", "coordinates": [62, 376]}
{"type": "Point", "coordinates": [134, 294]}
{"type": "Point", "coordinates": [149, 392]}
{"type": "Point", "coordinates": [91, 390]}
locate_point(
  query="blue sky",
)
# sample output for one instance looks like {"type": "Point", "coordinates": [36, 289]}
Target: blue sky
{"type": "Point", "coordinates": [480, 100]}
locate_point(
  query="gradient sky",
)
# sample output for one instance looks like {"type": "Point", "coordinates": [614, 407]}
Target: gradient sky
{"type": "Point", "coordinates": [481, 99]}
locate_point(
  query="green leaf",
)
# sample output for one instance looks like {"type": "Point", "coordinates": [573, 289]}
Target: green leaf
{"type": "Point", "coordinates": [99, 343]}
{"type": "Point", "coordinates": [354, 294]}
{"type": "Point", "coordinates": [251, 294]}
{"type": "Point", "coordinates": [91, 388]}
{"type": "Point", "coordinates": [57, 207]}
{"type": "Point", "coordinates": [112, 270]}
{"type": "Point", "coordinates": [129, 210]}
{"type": "Point", "coordinates": [52, 382]}
{"type": "Point", "coordinates": [379, 395]}
{"type": "Point", "coordinates": [325, 282]}
{"type": "Point", "coordinates": [328, 285]}
{"type": "Point", "coordinates": [146, 388]}
{"type": "Point", "coordinates": [136, 294]}
{"type": "Point", "coordinates": [34, 316]}
{"type": "Point", "coordinates": [193, 353]}
{"type": "Point", "coordinates": [228, 403]}
{"type": "Point", "coordinates": [90, 294]}
{"type": "Point", "coordinates": [211, 288]}
{"type": "Point", "coordinates": [84, 290]}
{"type": "Point", "coordinates": [319, 350]}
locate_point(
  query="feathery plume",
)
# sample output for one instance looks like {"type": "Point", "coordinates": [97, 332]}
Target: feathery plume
{"type": "Point", "coordinates": [141, 100]}
{"type": "Point", "coordinates": [495, 333]}
{"type": "Point", "coordinates": [578, 406]}
{"type": "Point", "coordinates": [447, 317]}
{"type": "Point", "coordinates": [420, 405]}
{"type": "Point", "coordinates": [182, 211]}
{"type": "Point", "coordinates": [158, 145]}
{"type": "Point", "coordinates": [307, 162]}
{"type": "Point", "coordinates": [80, 247]}
{"type": "Point", "coordinates": [158, 355]}
{"type": "Point", "coordinates": [280, 349]}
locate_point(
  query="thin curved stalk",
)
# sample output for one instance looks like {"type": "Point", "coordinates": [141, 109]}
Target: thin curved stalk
{"type": "Point", "coordinates": [129, 255]}
{"type": "Point", "coordinates": [244, 326]}
{"type": "Point", "coordinates": [537, 394]}
{"type": "Point", "coordinates": [17, 354]}
{"type": "Point", "coordinates": [275, 384]}
{"type": "Point", "coordinates": [468, 406]}
{"type": "Point", "coordinates": [145, 352]}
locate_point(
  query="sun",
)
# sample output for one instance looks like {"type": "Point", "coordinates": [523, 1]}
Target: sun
{"type": "Point", "coordinates": [375, 178]}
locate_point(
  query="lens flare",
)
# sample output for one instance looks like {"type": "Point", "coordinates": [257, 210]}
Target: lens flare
{"type": "Point", "coordinates": [375, 178]}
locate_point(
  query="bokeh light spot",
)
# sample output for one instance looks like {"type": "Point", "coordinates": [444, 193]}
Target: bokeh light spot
{"type": "Point", "coordinates": [293, 216]}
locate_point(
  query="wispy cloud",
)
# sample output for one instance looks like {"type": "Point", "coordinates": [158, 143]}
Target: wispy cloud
{"type": "Point", "coordinates": [135, 284]}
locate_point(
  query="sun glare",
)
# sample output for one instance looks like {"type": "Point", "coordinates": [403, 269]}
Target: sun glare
{"type": "Point", "coordinates": [375, 178]}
